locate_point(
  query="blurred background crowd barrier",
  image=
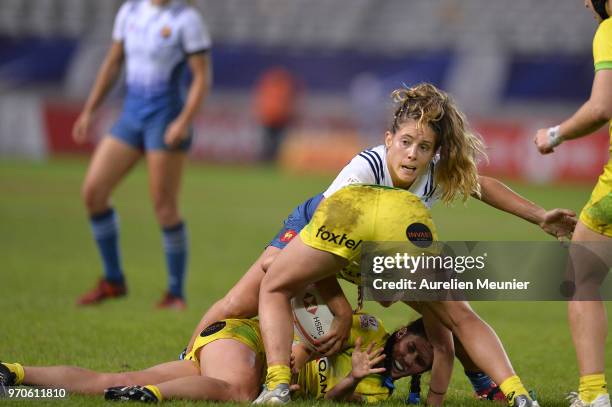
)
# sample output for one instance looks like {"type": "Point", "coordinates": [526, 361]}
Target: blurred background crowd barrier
{"type": "Point", "coordinates": [513, 66]}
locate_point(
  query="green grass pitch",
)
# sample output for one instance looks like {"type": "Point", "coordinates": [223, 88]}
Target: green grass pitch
{"type": "Point", "coordinates": [48, 258]}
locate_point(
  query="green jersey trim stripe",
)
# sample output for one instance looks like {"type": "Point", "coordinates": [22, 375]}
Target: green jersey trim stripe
{"type": "Point", "coordinates": [603, 65]}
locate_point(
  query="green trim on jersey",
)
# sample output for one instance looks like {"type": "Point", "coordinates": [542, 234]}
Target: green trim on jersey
{"type": "Point", "coordinates": [603, 65]}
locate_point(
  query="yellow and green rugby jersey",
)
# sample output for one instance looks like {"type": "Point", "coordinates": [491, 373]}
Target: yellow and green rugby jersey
{"type": "Point", "coordinates": [321, 375]}
{"type": "Point", "coordinates": [602, 57]}
{"type": "Point", "coordinates": [597, 213]}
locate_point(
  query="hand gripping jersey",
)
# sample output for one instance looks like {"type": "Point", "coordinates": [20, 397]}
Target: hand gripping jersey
{"type": "Point", "coordinates": [370, 167]}
{"type": "Point", "coordinates": [597, 213]}
{"type": "Point", "coordinates": [157, 41]}
{"type": "Point", "coordinates": [320, 375]}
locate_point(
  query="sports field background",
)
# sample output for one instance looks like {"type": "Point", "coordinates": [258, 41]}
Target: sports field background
{"type": "Point", "coordinates": [48, 259]}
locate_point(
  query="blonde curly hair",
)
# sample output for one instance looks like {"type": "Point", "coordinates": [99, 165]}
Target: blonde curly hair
{"type": "Point", "coordinates": [459, 148]}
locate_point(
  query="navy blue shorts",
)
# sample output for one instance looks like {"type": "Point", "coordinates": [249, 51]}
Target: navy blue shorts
{"type": "Point", "coordinates": [143, 126]}
{"type": "Point", "coordinates": [296, 221]}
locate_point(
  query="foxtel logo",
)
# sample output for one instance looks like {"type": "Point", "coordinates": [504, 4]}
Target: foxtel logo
{"type": "Point", "coordinates": [340, 240]}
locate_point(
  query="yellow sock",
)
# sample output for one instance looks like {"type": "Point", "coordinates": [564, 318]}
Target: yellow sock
{"type": "Point", "coordinates": [592, 386]}
{"type": "Point", "coordinates": [155, 390]}
{"type": "Point", "coordinates": [512, 387]}
{"type": "Point", "coordinates": [277, 374]}
{"type": "Point", "coordinates": [17, 370]}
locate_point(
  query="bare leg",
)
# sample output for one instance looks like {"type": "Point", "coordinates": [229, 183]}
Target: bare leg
{"type": "Point", "coordinates": [165, 174]}
{"type": "Point", "coordinates": [231, 371]}
{"type": "Point", "coordinates": [79, 380]}
{"type": "Point", "coordinates": [478, 338]}
{"type": "Point", "coordinates": [295, 267]}
{"type": "Point", "coordinates": [111, 161]}
{"type": "Point", "coordinates": [243, 299]}
{"type": "Point", "coordinates": [587, 319]}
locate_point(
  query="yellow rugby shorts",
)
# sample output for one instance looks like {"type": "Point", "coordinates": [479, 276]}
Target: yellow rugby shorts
{"type": "Point", "coordinates": [597, 213]}
{"type": "Point", "coordinates": [243, 330]}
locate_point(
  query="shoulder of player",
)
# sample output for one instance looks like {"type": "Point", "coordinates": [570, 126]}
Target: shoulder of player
{"type": "Point", "coordinates": [603, 32]}
{"type": "Point", "coordinates": [184, 13]}
{"type": "Point", "coordinates": [130, 6]}
{"type": "Point", "coordinates": [374, 159]}
{"type": "Point", "coordinates": [605, 25]}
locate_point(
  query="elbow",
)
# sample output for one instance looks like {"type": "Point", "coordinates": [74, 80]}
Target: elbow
{"type": "Point", "coordinates": [601, 112]}
{"type": "Point", "coordinates": [444, 352]}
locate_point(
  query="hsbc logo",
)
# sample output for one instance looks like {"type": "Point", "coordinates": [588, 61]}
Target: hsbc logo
{"type": "Point", "coordinates": [339, 239]}
{"type": "Point", "coordinates": [310, 303]}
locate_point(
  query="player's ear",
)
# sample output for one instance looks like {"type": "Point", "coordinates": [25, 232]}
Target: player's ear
{"type": "Point", "coordinates": [388, 139]}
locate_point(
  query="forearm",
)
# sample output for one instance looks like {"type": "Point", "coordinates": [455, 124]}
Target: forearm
{"type": "Point", "coordinates": [588, 119]}
{"type": "Point", "coordinates": [344, 390]}
{"type": "Point", "coordinates": [106, 78]}
{"type": "Point", "coordinates": [441, 339]}
{"type": "Point", "coordinates": [334, 297]}
{"type": "Point", "coordinates": [500, 196]}
{"type": "Point", "coordinates": [198, 90]}
{"type": "Point", "coordinates": [441, 373]}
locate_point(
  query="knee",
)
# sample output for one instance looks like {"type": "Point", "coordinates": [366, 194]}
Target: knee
{"type": "Point", "coordinates": [233, 306]}
{"type": "Point", "coordinates": [106, 380]}
{"type": "Point", "coordinates": [166, 211]}
{"type": "Point", "coordinates": [267, 261]}
{"type": "Point", "coordinates": [245, 394]}
{"type": "Point", "coordinates": [460, 315]}
{"type": "Point", "coordinates": [94, 198]}
{"type": "Point", "coordinates": [271, 285]}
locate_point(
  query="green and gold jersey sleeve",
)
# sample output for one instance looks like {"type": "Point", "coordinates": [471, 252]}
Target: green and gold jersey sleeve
{"type": "Point", "coordinates": [602, 46]}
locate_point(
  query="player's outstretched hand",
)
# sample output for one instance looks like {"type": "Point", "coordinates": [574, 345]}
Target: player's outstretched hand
{"type": "Point", "coordinates": [542, 142]}
{"type": "Point", "coordinates": [81, 128]}
{"type": "Point", "coordinates": [339, 332]}
{"type": "Point", "coordinates": [364, 361]}
{"type": "Point", "coordinates": [559, 223]}
{"type": "Point", "coordinates": [176, 132]}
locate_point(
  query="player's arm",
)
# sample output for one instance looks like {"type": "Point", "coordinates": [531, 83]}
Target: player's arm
{"type": "Point", "coordinates": [363, 363]}
{"type": "Point", "coordinates": [591, 116]}
{"type": "Point", "coordinates": [556, 222]}
{"type": "Point", "coordinates": [300, 355]}
{"type": "Point", "coordinates": [106, 78]}
{"type": "Point", "coordinates": [199, 64]}
{"type": "Point", "coordinates": [441, 339]}
{"type": "Point", "coordinates": [334, 297]}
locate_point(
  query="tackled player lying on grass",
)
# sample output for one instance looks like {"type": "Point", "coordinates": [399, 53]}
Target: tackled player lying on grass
{"type": "Point", "coordinates": [228, 364]}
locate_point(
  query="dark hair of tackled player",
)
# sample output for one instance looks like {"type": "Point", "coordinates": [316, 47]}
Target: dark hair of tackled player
{"type": "Point", "coordinates": [408, 351]}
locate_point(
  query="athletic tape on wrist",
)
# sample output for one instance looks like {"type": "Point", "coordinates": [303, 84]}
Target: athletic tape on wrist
{"type": "Point", "coordinates": [554, 136]}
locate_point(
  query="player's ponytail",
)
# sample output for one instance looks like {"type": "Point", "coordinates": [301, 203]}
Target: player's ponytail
{"type": "Point", "coordinates": [459, 148]}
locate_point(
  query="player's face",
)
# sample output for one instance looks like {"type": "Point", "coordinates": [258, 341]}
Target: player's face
{"type": "Point", "coordinates": [412, 354]}
{"type": "Point", "coordinates": [409, 152]}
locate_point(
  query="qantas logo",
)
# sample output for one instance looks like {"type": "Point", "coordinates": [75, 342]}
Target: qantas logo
{"type": "Point", "coordinates": [339, 239]}
{"type": "Point", "coordinates": [322, 368]}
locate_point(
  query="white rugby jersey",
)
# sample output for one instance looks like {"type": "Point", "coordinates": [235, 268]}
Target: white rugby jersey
{"type": "Point", "coordinates": [157, 41]}
{"type": "Point", "coordinates": [370, 167]}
